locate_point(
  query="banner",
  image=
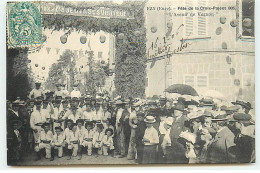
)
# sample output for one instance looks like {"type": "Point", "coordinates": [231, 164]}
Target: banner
{"type": "Point", "coordinates": [99, 12]}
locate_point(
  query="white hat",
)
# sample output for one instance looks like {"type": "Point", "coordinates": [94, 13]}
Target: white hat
{"type": "Point", "coordinates": [149, 119]}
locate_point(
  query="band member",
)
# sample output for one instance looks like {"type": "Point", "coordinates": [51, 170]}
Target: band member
{"type": "Point", "coordinates": [88, 113]}
{"type": "Point", "coordinates": [57, 143]}
{"type": "Point", "coordinates": [36, 120]}
{"type": "Point", "coordinates": [37, 91]}
{"type": "Point", "coordinates": [44, 142]}
{"type": "Point", "coordinates": [97, 138]}
{"type": "Point", "coordinates": [87, 138]}
{"type": "Point", "coordinates": [73, 141]}
{"type": "Point", "coordinates": [75, 92]}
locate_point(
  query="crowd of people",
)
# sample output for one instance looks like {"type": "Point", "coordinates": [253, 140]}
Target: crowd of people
{"type": "Point", "coordinates": [153, 130]}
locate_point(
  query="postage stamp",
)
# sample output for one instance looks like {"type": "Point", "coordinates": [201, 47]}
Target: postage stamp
{"type": "Point", "coordinates": [24, 25]}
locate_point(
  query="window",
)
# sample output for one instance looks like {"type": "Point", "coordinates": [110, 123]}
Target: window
{"type": "Point", "coordinates": [196, 81]}
{"type": "Point", "coordinates": [247, 18]}
{"type": "Point", "coordinates": [195, 26]}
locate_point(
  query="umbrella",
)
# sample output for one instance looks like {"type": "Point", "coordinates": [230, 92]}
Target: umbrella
{"type": "Point", "coordinates": [182, 89]}
{"type": "Point", "coordinates": [215, 95]}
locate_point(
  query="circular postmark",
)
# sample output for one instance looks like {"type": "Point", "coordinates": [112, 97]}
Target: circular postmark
{"type": "Point", "coordinates": [24, 26]}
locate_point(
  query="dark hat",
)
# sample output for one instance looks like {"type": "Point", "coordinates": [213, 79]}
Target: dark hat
{"type": "Point", "coordinates": [58, 128]}
{"type": "Point", "coordinates": [89, 123]}
{"type": "Point", "coordinates": [206, 102]}
{"type": "Point", "coordinates": [151, 102]}
{"type": "Point", "coordinates": [74, 99]}
{"type": "Point", "coordinates": [73, 124]}
{"type": "Point", "coordinates": [58, 84]}
{"type": "Point", "coordinates": [67, 97]}
{"type": "Point", "coordinates": [222, 117]}
{"type": "Point", "coordinates": [246, 105]}
{"type": "Point", "coordinates": [75, 85]}
{"type": "Point", "coordinates": [97, 121]}
{"type": "Point", "coordinates": [232, 108]}
{"type": "Point", "coordinates": [69, 120]}
{"type": "Point", "coordinates": [163, 99]}
{"type": "Point", "coordinates": [45, 101]}
{"type": "Point", "coordinates": [39, 98]}
{"type": "Point", "coordinates": [179, 107]}
{"type": "Point", "coordinates": [38, 102]}
{"type": "Point", "coordinates": [58, 98]}
{"type": "Point", "coordinates": [223, 108]}
{"type": "Point", "coordinates": [140, 114]}
{"type": "Point", "coordinates": [242, 117]}
{"type": "Point", "coordinates": [109, 129]}
{"type": "Point", "coordinates": [38, 83]}
{"type": "Point", "coordinates": [80, 121]}
{"type": "Point", "coordinates": [64, 101]}
{"type": "Point", "coordinates": [45, 124]}
{"type": "Point", "coordinates": [207, 114]}
{"type": "Point", "coordinates": [100, 125]}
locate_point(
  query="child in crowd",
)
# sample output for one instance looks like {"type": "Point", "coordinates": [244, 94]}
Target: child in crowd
{"type": "Point", "coordinates": [107, 142]}
{"type": "Point", "coordinates": [150, 141]}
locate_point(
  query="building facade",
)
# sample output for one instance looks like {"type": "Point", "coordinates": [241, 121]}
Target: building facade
{"type": "Point", "coordinates": [207, 49]}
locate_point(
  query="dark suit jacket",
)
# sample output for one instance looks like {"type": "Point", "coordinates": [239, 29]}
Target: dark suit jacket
{"type": "Point", "coordinates": [178, 149]}
{"type": "Point", "coordinates": [219, 148]}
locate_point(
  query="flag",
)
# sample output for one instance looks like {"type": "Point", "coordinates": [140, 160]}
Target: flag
{"type": "Point", "coordinates": [57, 50]}
{"type": "Point", "coordinates": [48, 49]}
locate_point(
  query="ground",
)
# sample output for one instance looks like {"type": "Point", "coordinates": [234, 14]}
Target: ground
{"type": "Point", "coordinates": [94, 159]}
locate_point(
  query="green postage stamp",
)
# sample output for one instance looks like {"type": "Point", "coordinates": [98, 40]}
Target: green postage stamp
{"type": "Point", "coordinates": [24, 25]}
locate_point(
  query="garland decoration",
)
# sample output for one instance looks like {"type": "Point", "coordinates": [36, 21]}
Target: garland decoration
{"type": "Point", "coordinates": [130, 60]}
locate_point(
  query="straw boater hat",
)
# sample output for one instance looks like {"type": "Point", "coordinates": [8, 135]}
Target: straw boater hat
{"type": "Point", "coordinates": [119, 102]}
{"type": "Point", "coordinates": [149, 119]}
{"type": "Point", "coordinates": [220, 117]}
{"type": "Point", "coordinates": [138, 102]}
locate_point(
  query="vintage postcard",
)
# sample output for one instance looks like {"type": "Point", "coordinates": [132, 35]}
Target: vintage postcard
{"type": "Point", "coordinates": [125, 82]}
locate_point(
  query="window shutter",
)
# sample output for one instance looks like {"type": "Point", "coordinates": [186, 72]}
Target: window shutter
{"type": "Point", "coordinates": [189, 20]}
{"type": "Point", "coordinates": [202, 81]}
{"type": "Point", "coordinates": [202, 20]}
{"type": "Point", "coordinates": [189, 80]}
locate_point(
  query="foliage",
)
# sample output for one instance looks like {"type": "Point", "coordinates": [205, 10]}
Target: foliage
{"type": "Point", "coordinates": [58, 71]}
{"type": "Point", "coordinates": [96, 75]}
{"type": "Point", "coordinates": [19, 79]}
{"type": "Point", "coordinates": [130, 73]}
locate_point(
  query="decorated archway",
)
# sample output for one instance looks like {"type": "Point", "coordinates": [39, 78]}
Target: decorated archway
{"type": "Point", "coordinates": [124, 21]}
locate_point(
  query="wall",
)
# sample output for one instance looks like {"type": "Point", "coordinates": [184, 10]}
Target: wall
{"type": "Point", "coordinates": [205, 57]}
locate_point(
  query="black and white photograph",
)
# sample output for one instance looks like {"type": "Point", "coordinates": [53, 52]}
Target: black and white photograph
{"type": "Point", "coordinates": [122, 82]}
